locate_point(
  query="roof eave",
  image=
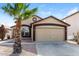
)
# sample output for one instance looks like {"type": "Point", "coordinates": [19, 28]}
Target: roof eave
{"type": "Point", "coordinates": [70, 15]}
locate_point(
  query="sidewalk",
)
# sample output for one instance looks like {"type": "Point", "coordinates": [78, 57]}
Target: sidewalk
{"type": "Point", "coordinates": [72, 42]}
{"type": "Point", "coordinates": [5, 41]}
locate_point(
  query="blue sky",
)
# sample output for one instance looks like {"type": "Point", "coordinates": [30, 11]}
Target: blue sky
{"type": "Point", "coordinates": [59, 10]}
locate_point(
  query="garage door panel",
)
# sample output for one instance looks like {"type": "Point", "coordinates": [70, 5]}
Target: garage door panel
{"type": "Point", "coordinates": [57, 34]}
{"type": "Point", "coordinates": [42, 35]}
{"type": "Point", "coordinates": [51, 33]}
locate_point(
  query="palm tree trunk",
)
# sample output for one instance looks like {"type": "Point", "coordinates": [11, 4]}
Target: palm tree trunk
{"type": "Point", "coordinates": [17, 45]}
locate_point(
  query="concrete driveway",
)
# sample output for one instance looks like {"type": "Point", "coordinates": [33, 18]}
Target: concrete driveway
{"type": "Point", "coordinates": [40, 49]}
{"type": "Point", "coordinates": [57, 49]}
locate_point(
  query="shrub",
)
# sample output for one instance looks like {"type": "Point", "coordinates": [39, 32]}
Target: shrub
{"type": "Point", "coordinates": [2, 32]}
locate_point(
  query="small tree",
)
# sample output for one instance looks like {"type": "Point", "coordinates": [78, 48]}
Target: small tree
{"type": "Point", "coordinates": [2, 32]}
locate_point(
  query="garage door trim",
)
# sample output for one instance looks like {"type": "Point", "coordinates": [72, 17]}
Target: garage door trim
{"type": "Point", "coordinates": [48, 24]}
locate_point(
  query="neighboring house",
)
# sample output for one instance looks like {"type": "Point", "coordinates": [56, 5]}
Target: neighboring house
{"type": "Point", "coordinates": [8, 33]}
{"type": "Point", "coordinates": [47, 29]}
{"type": "Point", "coordinates": [73, 20]}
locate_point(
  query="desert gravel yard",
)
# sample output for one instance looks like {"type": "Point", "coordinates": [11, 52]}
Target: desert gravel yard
{"type": "Point", "coordinates": [57, 49]}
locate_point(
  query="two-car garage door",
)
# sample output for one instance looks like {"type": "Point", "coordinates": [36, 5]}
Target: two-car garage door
{"type": "Point", "coordinates": [49, 33]}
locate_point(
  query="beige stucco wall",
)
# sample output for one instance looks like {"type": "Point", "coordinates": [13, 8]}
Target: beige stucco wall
{"type": "Point", "coordinates": [30, 20]}
{"type": "Point", "coordinates": [50, 20]}
{"type": "Point", "coordinates": [45, 33]}
{"type": "Point", "coordinates": [49, 33]}
{"type": "Point", "coordinates": [74, 22]}
{"type": "Point", "coordinates": [8, 33]}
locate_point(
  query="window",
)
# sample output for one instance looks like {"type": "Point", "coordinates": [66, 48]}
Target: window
{"type": "Point", "coordinates": [34, 19]}
{"type": "Point", "coordinates": [25, 32]}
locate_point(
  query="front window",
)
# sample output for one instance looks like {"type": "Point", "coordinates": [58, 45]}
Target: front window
{"type": "Point", "coordinates": [25, 32]}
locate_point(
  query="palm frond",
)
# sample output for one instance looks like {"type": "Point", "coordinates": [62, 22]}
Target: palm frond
{"type": "Point", "coordinates": [19, 10]}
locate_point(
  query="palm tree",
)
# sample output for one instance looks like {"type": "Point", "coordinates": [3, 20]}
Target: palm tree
{"type": "Point", "coordinates": [20, 12]}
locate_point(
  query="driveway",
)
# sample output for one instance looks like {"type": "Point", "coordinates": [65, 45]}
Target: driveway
{"type": "Point", "coordinates": [40, 49]}
{"type": "Point", "coordinates": [57, 49]}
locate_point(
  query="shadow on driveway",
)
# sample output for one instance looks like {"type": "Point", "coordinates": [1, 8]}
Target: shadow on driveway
{"type": "Point", "coordinates": [27, 50]}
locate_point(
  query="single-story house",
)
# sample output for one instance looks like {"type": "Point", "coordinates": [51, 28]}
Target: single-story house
{"type": "Point", "coordinates": [73, 20]}
{"type": "Point", "coordinates": [8, 33]}
{"type": "Point", "coordinates": [44, 29]}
